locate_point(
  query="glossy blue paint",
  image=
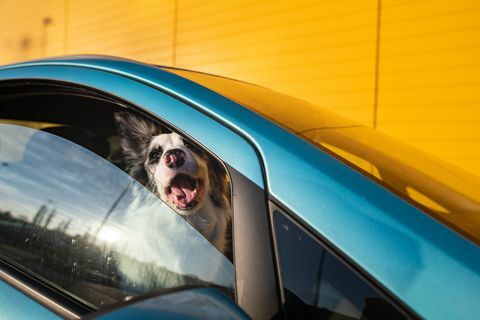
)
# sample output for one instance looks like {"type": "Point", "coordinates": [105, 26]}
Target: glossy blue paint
{"type": "Point", "coordinates": [430, 268]}
{"type": "Point", "coordinates": [204, 303]}
{"type": "Point", "coordinates": [16, 305]}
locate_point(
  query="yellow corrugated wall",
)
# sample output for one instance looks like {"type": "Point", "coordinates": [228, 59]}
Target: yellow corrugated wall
{"type": "Point", "coordinates": [407, 67]}
{"type": "Point", "coordinates": [429, 88]}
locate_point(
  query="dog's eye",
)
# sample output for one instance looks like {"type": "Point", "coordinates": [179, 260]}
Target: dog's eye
{"type": "Point", "coordinates": [186, 143]}
{"type": "Point", "coordinates": [155, 154]}
{"type": "Point", "coordinates": [191, 146]}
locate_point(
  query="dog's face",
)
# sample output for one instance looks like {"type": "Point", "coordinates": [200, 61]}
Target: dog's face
{"type": "Point", "coordinates": [178, 171]}
{"type": "Point", "coordinates": [183, 175]}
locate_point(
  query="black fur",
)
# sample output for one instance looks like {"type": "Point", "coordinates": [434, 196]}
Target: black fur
{"type": "Point", "coordinates": [219, 184]}
{"type": "Point", "coordinates": [136, 134]}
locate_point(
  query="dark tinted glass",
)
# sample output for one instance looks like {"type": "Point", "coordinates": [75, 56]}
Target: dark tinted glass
{"type": "Point", "coordinates": [317, 285]}
{"type": "Point", "coordinates": [76, 215]}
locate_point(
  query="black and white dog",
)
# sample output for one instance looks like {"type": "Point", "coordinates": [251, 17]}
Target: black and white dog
{"type": "Point", "coordinates": [190, 181]}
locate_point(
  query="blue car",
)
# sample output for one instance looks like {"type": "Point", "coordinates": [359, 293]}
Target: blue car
{"type": "Point", "coordinates": [132, 191]}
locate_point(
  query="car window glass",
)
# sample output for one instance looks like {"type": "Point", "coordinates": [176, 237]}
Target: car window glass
{"type": "Point", "coordinates": [76, 215]}
{"type": "Point", "coordinates": [317, 285]}
{"type": "Point", "coordinates": [358, 161]}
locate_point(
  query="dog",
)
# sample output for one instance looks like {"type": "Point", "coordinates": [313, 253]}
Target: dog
{"type": "Point", "coordinates": [193, 183]}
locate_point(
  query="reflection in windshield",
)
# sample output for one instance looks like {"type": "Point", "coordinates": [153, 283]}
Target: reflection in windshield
{"type": "Point", "coordinates": [82, 224]}
{"type": "Point", "coordinates": [444, 191]}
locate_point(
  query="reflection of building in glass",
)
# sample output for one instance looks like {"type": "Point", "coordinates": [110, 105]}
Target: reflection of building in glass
{"type": "Point", "coordinates": [64, 259]}
{"type": "Point", "coordinates": [81, 264]}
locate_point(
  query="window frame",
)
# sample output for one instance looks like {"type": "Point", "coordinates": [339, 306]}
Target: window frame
{"type": "Point", "coordinates": [275, 205]}
{"type": "Point", "coordinates": [249, 206]}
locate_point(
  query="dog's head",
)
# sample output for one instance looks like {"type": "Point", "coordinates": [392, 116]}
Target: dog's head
{"type": "Point", "coordinates": [180, 173]}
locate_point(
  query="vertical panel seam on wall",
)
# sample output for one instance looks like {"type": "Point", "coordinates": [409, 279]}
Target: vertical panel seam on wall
{"type": "Point", "coordinates": [46, 22]}
{"type": "Point", "coordinates": [44, 37]}
{"type": "Point", "coordinates": [66, 8]}
{"type": "Point", "coordinates": [174, 32]}
{"type": "Point", "coordinates": [377, 65]}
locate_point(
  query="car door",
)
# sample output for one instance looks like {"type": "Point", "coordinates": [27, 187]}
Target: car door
{"type": "Point", "coordinates": [58, 124]}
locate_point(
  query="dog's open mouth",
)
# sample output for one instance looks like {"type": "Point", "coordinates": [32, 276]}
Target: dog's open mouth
{"type": "Point", "coordinates": [183, 191]}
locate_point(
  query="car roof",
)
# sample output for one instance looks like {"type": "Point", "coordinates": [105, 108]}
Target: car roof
{"type": "Point", "coordinates": [409, 253]}
{"type": "Point", "coordinates": [293, 114]}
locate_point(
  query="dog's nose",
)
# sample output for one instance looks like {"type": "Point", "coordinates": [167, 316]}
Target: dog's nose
{"type": "Point", "coordinates": [174, 158]}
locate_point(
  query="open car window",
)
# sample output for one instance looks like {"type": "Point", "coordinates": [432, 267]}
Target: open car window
{"type": "Point", "coordinates": [78, 213]}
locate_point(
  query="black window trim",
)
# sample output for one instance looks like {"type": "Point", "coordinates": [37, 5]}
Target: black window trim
{"type": "Point", "coordinates": [252, 246]}
{"type": "Point", "coordinates": [276, 205]}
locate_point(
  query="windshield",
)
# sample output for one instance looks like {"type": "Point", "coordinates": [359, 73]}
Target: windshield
{"type": "Point", "coordinates": [442, 190]}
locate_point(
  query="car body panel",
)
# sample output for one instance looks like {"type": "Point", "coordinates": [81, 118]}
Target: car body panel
{"type": "Point", "coordinates": [16, 305]}
{"type": "Point", "coordinates": [200, 303]}
{"type": "Point", "coordinates": [445, 192]}
{"type": "Point", "coordinates": [427, 266]}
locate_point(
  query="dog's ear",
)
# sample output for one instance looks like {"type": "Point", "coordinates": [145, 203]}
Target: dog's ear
{"type": "Point", "coordinates": [219, 183]}
{"type": "Point", "coordinates": [136, 133]}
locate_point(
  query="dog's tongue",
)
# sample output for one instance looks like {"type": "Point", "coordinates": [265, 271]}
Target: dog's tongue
{"type": "Point", "coordinates": [182, 191]}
